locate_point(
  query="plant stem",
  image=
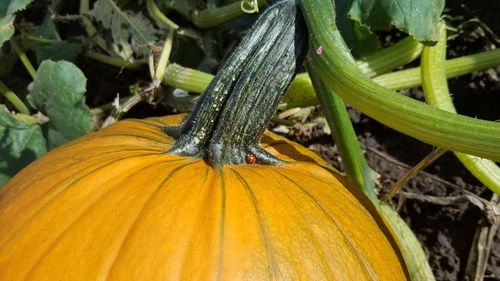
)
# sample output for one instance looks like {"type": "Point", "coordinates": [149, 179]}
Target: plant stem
{"type": "Point", "coordinates": [436, 93]}
{"type": "Point", "coordinates": [22, 55]}
{"type": "Point", "coordinates": [159, 16]}
{"type": "Point", "coordinates": [212, 17]}
{"type": "Point", "coordinates": [14, 99]}
{"type": "Point", "coordinates": [165, 55]}
{"type": "Point", "coordinates": [356, 168]}
{"type": "Point", "coordinates": [186, 78]}
{"type": "Point", "coordinates": [411, 77]}
{"type": "Point", "coordinates": [115, 61]}
{"type": "Point", "coordinates": [387, 59]}
{"type": "Point", "coordinates": [419, 120]}
{"type": "Point", "coordinates": [230, 117]}
{"type": "Point", "coordinates": [301, 92]}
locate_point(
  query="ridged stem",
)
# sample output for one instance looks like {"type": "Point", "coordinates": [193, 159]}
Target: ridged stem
{"type": "Point", "coordinates": [421, 121]}
{"type": "Point", "coordinates": [14, 99]}
{"type": "Point", "coordinates": [436, 93]}
{"type": "Point", "coordinates": [230, 117]}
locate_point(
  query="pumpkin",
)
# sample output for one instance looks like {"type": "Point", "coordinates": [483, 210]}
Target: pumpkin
{"type": "Point", "coordinates": [114, 206]}
{"type": "Point", "coordinates": [202, 200]}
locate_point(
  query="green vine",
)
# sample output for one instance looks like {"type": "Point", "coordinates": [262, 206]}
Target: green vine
{"type": "Point", "coordinates": [338, 70]}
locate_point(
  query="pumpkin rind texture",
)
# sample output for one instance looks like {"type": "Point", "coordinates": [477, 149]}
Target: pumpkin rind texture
{"type": "Point", "coordinates": [114, 206]}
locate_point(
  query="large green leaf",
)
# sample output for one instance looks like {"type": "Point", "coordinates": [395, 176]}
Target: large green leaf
{"type": "Point", "coordinates": [359, 38]}
{"type": "Point", "coordinates": [20, 143]}
{"type": "Point", "coordinates": [7, 10]}
{"type": "Point", "coordinates": [131, 33]}
{"type": "Point", "coordinates": [58, 92]}
{"type": "Point", "coordinates": [419, 18]}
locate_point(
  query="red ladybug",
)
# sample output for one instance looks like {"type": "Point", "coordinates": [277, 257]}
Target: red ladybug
{"type": "Point", "coordinates": [250, 159]}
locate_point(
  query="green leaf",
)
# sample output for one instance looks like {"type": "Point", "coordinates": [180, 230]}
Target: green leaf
{"type": "Point", "coordinates": [360, 40]}
{"type": "Point", "coordinates": [7, 10]}
{"type": "Point", "coordinates": [20, 144]}
{"type": "Point", "coordinates": [131, 33]}
{"type": "Point", "coordinates": [47, 29]}
{"type": "Point", "coordinates": [419, 18]}
{"type": "Point", "coordinates": [58, 92]}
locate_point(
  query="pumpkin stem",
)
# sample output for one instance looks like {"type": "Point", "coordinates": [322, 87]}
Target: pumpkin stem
{"type": "Point", "coordinates": [228, 121]}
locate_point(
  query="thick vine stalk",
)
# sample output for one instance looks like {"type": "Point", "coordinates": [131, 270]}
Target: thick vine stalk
{"type": "Point", "coordinates": [338, 70]}
{"type": "Point", "coordinates": [436, 93]}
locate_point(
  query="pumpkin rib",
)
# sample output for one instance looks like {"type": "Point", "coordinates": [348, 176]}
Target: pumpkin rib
{"type": "Point", "coordinates": [61, 191]}
{"type": "Point", "coordinates": [119, 149]}
{"type": "Point", "coordinates": [274, 144]}
{"type": "Point", "coordinates": [139, 129]}
{"type": "Point", "coordinates": [185, 261]}
{"type": "Point", "coordinates": [102, 137]}
{"type": "Point", "coordinates": [77, 161]}
{"type": "Point", "coordinates": [264, 234]}
{"type": "Point", "coordinates": [312, 238]}
{"type": "Point", "coordinates": [367, 267]}
{"type": "Point", "coordinates": [157, 122]}
{"type": "Point", "coordinates": [77, 172]}
{"type": "Point", "coordinates": [6, 194]}
{"type": "Point", "coordinates": [84, 212]}
{"type": "Point", "coordinates": [106, 274]}
{"type": "Point", "coordinates": [220, 250]}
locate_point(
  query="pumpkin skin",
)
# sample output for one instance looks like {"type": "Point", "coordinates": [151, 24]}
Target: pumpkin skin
{"type": "Point", "coordinates": [114, 206]}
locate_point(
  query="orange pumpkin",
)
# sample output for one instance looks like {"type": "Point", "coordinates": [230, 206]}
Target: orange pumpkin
{"type": "Point", "coordinates": [114, 206]}
{"type": "Point", "coordinates": [130, 203]}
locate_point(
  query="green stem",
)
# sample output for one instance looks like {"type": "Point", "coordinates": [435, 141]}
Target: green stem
{"type": "Point", "coordinates": [411, 77]}
{"type": "Point", "coordinates": [165, 55]}
{"type": "Point", "coordinates": [188, 79]}
{"type": "Point", "coordinates": [356, 168]}
{"type": "Point", "coordinates": [437, 94]}
{"type": "Point", "coordinates": [421, 121]}
{"type": "Point", "coordinates": [14, 99]}
{"type": "Point", "coordinates": [159, 16]}
{"type": "Point", "coordinates": [413, 253]}
{"type": "Point", "coordinates": [385, 60]}
{"type": "Point", "coordinates": [212, 17]}
{"type": "Point", "coordinates": [301, 92]}
{"type": "Point", "coordinates": [22, 55]}
{"type": "Point", "coordinates": [115, 61]}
